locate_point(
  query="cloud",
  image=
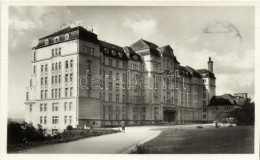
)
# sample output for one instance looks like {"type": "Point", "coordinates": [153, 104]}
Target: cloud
{"type": "Point", "coordinates": [141, 26]}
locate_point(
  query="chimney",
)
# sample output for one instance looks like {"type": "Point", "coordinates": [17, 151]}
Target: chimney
{"type": "Point", "coordinates": [210, 65]}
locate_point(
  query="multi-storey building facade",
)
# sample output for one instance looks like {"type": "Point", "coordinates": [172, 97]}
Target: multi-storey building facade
{"type": "Point", "coordinates": [79, 80]}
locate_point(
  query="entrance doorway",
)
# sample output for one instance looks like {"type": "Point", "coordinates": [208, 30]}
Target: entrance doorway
{"type": "Point", "coordinates": [169, 116]}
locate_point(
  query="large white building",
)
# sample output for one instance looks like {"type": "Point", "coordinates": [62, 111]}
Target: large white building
{"type": "Point", "coordinates": [63, 64]}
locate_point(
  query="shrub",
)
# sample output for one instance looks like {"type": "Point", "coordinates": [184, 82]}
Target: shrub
{"type": "Point", "coordinates": [69, 127]}
{"type": "Point", "coordinates": [199, 127]}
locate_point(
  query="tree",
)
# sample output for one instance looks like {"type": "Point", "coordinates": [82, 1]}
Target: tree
{"type": "Point", "coordinates": [245, 115]}
{"type": "Point", "coordinates": [14, 133]}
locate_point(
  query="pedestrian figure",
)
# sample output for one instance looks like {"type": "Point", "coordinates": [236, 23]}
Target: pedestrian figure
{"type": "Point", "coordinates": [123, 126]}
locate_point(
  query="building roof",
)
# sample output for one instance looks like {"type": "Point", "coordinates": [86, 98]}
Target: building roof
{"type": "Point", "coordinates": [167, 51]}
{"type": "Point", "coordinates": [206, 73]}
{"type": "Point", "coordinates": [143, 44]}
{"type": "Point", "coordinates": [193, 72]}
{"type": "Point", "coordinates": [184, 71]}
{"type": "Point", "coordinates": [227, 99]}
{"type": "Point", "coordinates": [131, 54]}
{"type": "Point", "coordinates": [75, 33]}
{"type": "Point", "coordinates": [118, 53]}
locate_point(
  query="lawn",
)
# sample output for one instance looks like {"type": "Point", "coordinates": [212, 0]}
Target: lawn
{"type": "Point", "coordinates": [208, 139]}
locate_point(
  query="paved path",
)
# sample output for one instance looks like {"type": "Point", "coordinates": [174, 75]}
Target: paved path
{"type": "Point", "coordinates": [112, 143]}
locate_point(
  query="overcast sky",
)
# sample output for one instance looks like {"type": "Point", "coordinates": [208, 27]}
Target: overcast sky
{"type": "Point", "coordinates": [195, 33]}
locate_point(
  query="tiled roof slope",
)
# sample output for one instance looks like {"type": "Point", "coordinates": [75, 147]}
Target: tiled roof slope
{"type": "Point", "coordinates": [206, 73]}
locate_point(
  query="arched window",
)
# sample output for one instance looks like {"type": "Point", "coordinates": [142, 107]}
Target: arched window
{"type": "Point", "coordinates": [52, 66]}
{"type": "Point", "coordinates": [59, 65]}
{"type": "Point", "coordinates": [56, 66]}
{"type": "Point", "coordinates": [71, 63]}
{"type": "Point", "coordinates": [46, 68]}
{"type": "Point", "coordinates": [41, 68]}
{"type": "Point", "coordinates": [67, 65]}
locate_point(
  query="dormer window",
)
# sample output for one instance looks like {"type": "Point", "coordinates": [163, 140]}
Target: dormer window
{"type": "Point", "coordinates": [56, 39]}
{"type": "Point", "coordinates": [46, 41]}
{"type": "Point", "coordinates": [120, 54]}
{"type": "Point", "coordinates": [67, 36]}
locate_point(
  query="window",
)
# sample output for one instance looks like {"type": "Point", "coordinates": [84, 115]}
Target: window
{"type": "Point", "coordinates": [70, 119]}
{"type": "Point", "coordinates": [110, 108]}
{"type": "Point", "coordinates": [55, 119]}
{"type": "Point", "coordinates": [42, 81]}
{"type": "Point", "coordinates": [55, 107]}
{"type": "Point", "coordinates": [66, 92]}
{"type": "Point", "coordinates": [117, 98]}
{"type": "Point", "coordinates": [67, 64]}
{"type": "Point", "coordinates": [30, 82]}
{"type": "Point", "coordinates": [55, 131]}
{"type": "Point", "coordinates": [124, 65]}
{"type": "Point", "coordinates": [45, 107]}
{"type": "Point", "coordinates": [56, 39]}
{"type": "Point", "coordinates": [117, 64]}
{"type": "Point", "coordinates": [65, 106]}
{"type": "Point", "coordinates": [204, 115]}
{"type": "Point", "coordinates": [56, 79]}
{"type": "Point", "coordinates": [46, 41]}
{"type": "Point", "coordinates": [71, 63]}
{"type": "Point", "coordinates": [41, 94]}
{"type": "Point", "coordinates": [52, 52]}
{"type": "Point", "coordinates": [30, 108]}
{"type": "Point", "coordinates": [59, 92]}
{"type": "Point", "coordinates": [70, 106]}
{"type": "Point", "coordinates": [66, 77]}
{"type": "Point", "coordinates": [46, 68]}
{"type": "Point", "coordinates": [110, 86]}
{"type": "Point", "coordinates": [59, 78]}
{"type": "Point", "coordinates": [52, 68]}
{"type": "Point", "coordinates": [65, 119]}
{"type": "Point", "coordinates": [71, 91]}
{"type": "Point", "coordinates": [45, 95]}
{"type": "Point", "coordinates": [110, 97]}
{"type": "Point", "coordinates": [34, 55]}
{"type": "Point", "coordinates": [41, 119]}
{"type": "Point", "coordinates": [41, 107]}
{"type": "Point", "coordinates": [123, 98]}
{"type": "Point", "coordinates": [46, 80]}
{"type": "Point", "coordinates": [89, 50]}
{"type": "Point", "coordinates": [67, 36]}
{"type": "Point", "coordinates": [45, 119]}
{"type": "Point", "coordinates": [117, 108]}
{"type": "Point", "coordinates": [41, 68]}
{"type": "Point", "coordinates": [34, 69]}
{"type": "Point", "coordinates": [52, 79]}
{"type": "Point", "coordinates": [110, 62]}
{"type": "Point", "coordinates": [71, 77]}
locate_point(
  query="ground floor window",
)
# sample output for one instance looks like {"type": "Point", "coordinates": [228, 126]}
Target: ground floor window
{"type": "Point", "coordinates": [55, 131]}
